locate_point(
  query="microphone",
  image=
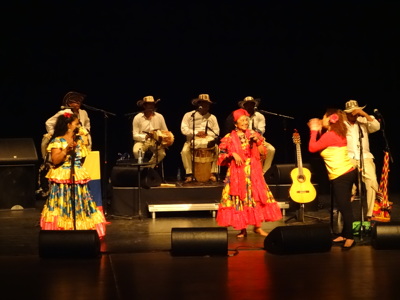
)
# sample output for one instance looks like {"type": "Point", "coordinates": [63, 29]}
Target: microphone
{"type": "Point", "coordinates": [255, 107]}
{"type": "Point", "coordinates": [200, 107]}
{"type": "Point", "coordinates": [66, 107]}
{"type": "Point", "coordinates": [377, 113]}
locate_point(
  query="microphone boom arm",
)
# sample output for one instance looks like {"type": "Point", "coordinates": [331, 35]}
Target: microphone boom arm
{"type": "Point", "coordinates": [275, 114]}
{"type": "Point", "coordinates": [98, 109]}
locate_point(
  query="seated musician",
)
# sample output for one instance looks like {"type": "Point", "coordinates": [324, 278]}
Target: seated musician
{"type": "Point", "coordinates": [144, 125]}
{"type": "Point", "coordinates": [257, 123]}
{"type": "Point", "coordinates": [205, 134]}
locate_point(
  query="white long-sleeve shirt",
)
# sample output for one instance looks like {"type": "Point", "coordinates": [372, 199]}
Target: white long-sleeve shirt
{"type": "Point", "coordinates": [257, 122]}
{"type": "Point", "coordinates": [141, 125]}
{"type": "Point", "coordinates": [207, 123]}
{"type": "Point", "coordinates": [353, 142]}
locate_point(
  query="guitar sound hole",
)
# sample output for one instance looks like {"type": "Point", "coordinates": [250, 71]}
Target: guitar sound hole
{"type": "Point", "coordinates": [301, 178]}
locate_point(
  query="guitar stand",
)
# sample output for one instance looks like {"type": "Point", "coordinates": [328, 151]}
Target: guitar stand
{"type": "Point", "coordinates": [299, 216]}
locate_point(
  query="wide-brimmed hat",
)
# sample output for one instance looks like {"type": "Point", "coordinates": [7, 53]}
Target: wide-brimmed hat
{"type": "Point", "coordinates": [202, 97]}
{"type": "Point", "coordinates": [73, 96]}
{"type": "Point", "coordinates": [147, 99]}
{"type": "Point", "coordinates": [352, 105]}
{"type": "Point", "coordinates": [248, 99]}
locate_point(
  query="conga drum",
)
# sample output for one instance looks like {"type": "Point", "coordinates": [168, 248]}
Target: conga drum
{"type": "Point", "coordinates": [203, 158]}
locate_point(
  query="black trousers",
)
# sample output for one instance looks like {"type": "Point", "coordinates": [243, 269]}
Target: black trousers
{"type": "Point", "coordinates": [341, 189]}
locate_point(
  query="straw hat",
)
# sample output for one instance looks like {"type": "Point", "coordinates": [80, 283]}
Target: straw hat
{"type": "Point", "coordinates": [147, 99]}
{"type": "Point", "coordinates": [73, 96]}
{"type": "Point", "coordinates": [352, 105]}
{"type": "Point", "coordinates": [202, 97]}
{"type": "Point", "coordinates": [249, 99]}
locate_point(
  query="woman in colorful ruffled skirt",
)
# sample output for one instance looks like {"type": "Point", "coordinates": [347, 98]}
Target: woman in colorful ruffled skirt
{"type": "Point", "coordinates": [59, 212]}
{"type": "Point", "coordinates": [246, 198]}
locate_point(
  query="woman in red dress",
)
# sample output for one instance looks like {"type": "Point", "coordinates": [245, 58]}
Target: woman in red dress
{"type": "Point", "coordinates": [246, 198]}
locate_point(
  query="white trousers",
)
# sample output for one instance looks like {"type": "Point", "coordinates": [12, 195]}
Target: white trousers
{"type": "Point", "coordinates": [186, 155]}
{"type": "Point", "coordinates": [269, 158]}
{"type": "Point", "coordinates": [147, 145]}
{"type": "Point", "coordinates": [370, 180]}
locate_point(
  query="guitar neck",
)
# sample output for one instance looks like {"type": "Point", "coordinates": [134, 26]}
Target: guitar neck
{"type": "Point", "coordinates": [299, 159]}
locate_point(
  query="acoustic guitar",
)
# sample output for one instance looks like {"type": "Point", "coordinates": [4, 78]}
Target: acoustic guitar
{"type": "Point", "coordinates": [302, 190]}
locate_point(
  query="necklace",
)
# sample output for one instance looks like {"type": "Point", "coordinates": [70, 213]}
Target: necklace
{"type": "Point", "coordinates": [242, 138]}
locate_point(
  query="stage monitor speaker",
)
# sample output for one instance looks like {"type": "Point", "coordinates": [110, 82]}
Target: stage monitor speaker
{"type": "Point", "coordinates": [196, 241]}
{"type": "Point", "coordinates": [17, 185]}
{"type": "Point", "coordinates": [280, 173]}
{"type": "Point", "coordinates": [69, 244]}
{"type": "Point", "coordinates": [17, 151]}
{"type": "Point", "coordinates": [386, 236]}
{"type": "Point", "coordinates": [299, 239]}
{"type": "Point", "coordinates": [127, 176]}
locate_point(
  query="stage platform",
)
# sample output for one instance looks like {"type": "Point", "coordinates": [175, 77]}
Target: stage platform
{"type": "Point", "coordinates": [173, 197]}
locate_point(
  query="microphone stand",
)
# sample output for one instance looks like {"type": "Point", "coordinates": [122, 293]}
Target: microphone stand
{"type": "Point", "coordinates": [387, 149]}
{"type": "Point", "coordinates": [284, 127]}
{"type": "Point", "coordinates": [193, 137]}
{"type": "Point", "coordinates": [72, 178]}
{"type": "Point", "coordinates": [104, 177]}
{"type": "Point", "coordinates": [132, 114]}
{"type": "Point", "coordinates": [360, 182]}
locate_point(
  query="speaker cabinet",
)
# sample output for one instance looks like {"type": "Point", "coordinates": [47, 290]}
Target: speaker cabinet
{"type": "Point", "coordinates": [17, 151]}
{"type": "Point", "coordinates": [127, 176]}
{"type": "Point", "coordinates": [386, 236]}
{"type": "Point", "coordinates": [280, 173]}
{"type": "Point", "coordinates": [299, 239]}
{"type": "Point", "coordinates": [125, 202]}
{"type": "Point", "coordinates": [17, 185]}
{"type": "Point", "coordinates": [69, 244]}
{"type": "Point", "coordinates": [199, 241]}
{"type": "Point", "coordinates": [18, 172]}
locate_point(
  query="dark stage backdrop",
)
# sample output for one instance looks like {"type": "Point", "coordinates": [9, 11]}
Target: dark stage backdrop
{"type": "Point", "coordinates": [298, 58]}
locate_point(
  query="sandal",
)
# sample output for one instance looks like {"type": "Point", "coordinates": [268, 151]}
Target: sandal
{"type": "Point", "coordinates": [339, 239]}
{"type": "Point", "coordinates": [189, 179]}
{"type": "Point", "coordinates": [348, 244]}
{"type": "Point", "coordinates": [259, 231]}
{"type": "Point", "coordinates": [242, 234]}
{"type": "Point", "coordinates": [213, 178]}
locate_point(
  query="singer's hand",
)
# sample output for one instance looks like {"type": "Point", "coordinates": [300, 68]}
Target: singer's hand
{"type": "Point", "coordinates": [237, 159]}
{"type": "Point", "coordinates": [315, 124]}
{"type": "Point", "coordinates": [253, 137]}
{"type": "Point", "coordinates": [359, 113]}
{"type": "Point", "coordinates": [71, 146]}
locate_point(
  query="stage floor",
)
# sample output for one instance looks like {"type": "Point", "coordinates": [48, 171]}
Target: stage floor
{"type": "Point", "coordinates": [136, 263]}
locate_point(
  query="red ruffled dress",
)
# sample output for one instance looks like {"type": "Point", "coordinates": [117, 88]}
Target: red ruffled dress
{"type": "Point", "coordinates": [246, 198]}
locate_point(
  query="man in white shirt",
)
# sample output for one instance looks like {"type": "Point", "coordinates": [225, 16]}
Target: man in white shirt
{"type": "Point", "coordinates": [359, 126]}
{"type": "Point", "coordinates": [257, 123]}
{"type": "Point", "coordinates": [72, 102]}
{"type": "Point", "coordinates": [145, 126]}
{"type": "Point", "coordinates": [205, 134]}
